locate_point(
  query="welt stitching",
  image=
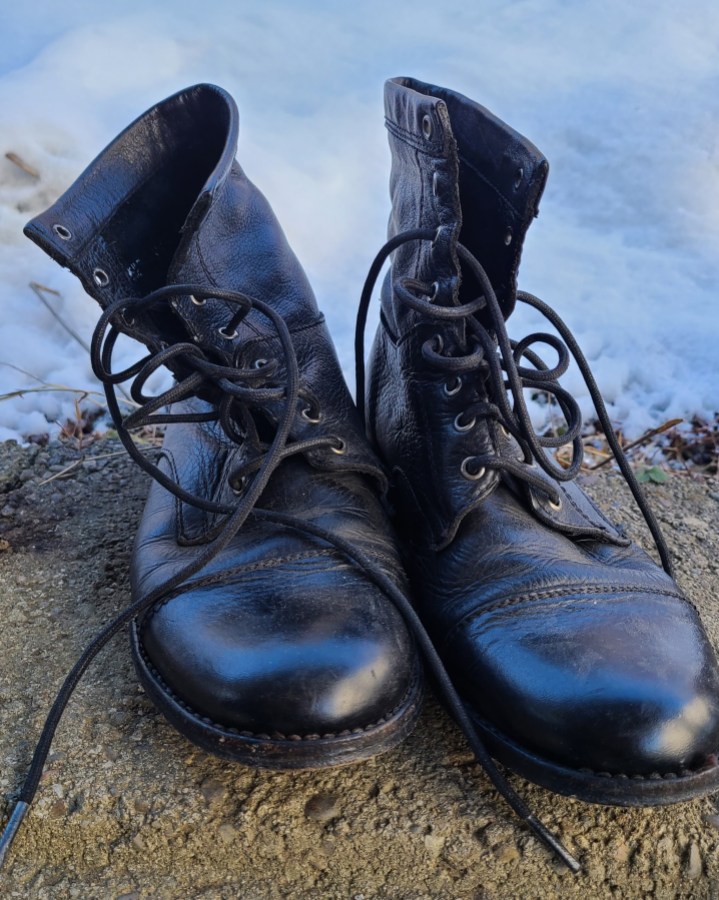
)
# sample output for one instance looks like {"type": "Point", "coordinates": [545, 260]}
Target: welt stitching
{"type": "Point", "coordinates": [276, 735]}
{"type": "Point", "coordinates": [616, 776]}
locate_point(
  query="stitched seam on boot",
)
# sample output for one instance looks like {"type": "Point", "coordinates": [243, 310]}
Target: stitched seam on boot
{"type": "Point", "coordinates": [431, 149]}
{"type": "Point", "coordinates": [567, 592]}
{"type": "Point", "coordinates": [220, 577]}
{"type": "Point", "coordinates": [489, 184]}
{"type": "Point", "coordinates": [580, 512]}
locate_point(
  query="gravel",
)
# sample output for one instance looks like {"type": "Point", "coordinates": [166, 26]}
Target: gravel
{"type": "Point", "coordinates": [128, 809]}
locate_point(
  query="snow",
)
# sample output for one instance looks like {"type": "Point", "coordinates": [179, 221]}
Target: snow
{"type": "Point", "coordinates": [622, 98]}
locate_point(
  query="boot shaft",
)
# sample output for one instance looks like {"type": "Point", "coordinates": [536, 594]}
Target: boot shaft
{"type": "Point", "coordinates": [459, 170]}
{"type": "Point", "coordinates": [166, 202]}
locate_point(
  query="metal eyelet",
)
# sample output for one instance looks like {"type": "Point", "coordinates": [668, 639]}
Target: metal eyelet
{"type": "Point", "coordinates": [466, 471]}
{"type": "Point", "coordinates": [230, 336]}
{"type": "Point", "coordinates": [427, 126]}
{"type": "Point", "coordinates": [340, 448]}
{"type": "Point", "coordinates": [461, 426]}
{"type": "Point", "coordinates": [556, 506]}
{"type": "Point", "coordinates": [435, 183]}
{"type": "Point", "coordinates": [504, 430]}
{"type": "Point", "coordinates": [127, 321]}
{"type": "Point", "coordinates": [453, 387]}
{"type": "Point", "coordinates": [260, 363]}
{"type": "Point", "coordinates": [518, 178]}
{"type": "Point", "coordinates": [198, 301]}
{"type": "Point", "coordinates": [435, 290]}
{"type": "Point", "coordinates": [100, 277]}
{"type": "Point", "coordinates": [238, 488]}
{"type": "Point", "coordinates": [63, 233]}
{"type": "Point", "coordinates": [438, 342]}
{"type": "Point", "coordinates": [508, 235]}
{"type": "Point", "coordinates": [306, 414]}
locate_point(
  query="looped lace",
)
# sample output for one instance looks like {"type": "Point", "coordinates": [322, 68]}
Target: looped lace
{"type": "Point", "coordinates": [236, 389]}
{"type": "Point", "coordinates": [494, 367]}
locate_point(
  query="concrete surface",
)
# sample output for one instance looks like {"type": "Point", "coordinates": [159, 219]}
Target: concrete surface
{"type": "Point", "coordinates": [129, 809]}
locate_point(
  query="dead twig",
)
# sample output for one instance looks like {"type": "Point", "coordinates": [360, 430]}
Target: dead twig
{"type": "Point", "coordinates": [644, 439]}
{"type": "Point", "coordinates": [21, 164]}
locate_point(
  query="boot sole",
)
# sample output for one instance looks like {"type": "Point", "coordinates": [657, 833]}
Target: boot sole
{"type": "Point", "coordinates": [604, 788]}
{"type": "Point", "coordinates": [311, 751]}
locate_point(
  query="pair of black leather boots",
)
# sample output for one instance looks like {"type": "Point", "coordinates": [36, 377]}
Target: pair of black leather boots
{"type": "Point", "coordinates": [270, 621]}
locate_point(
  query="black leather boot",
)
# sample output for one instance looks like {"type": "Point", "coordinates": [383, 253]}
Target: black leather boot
{"type": "Point", "coordinates": [257, 632]}
{"type": "Point", "coordinates": [581, 663]}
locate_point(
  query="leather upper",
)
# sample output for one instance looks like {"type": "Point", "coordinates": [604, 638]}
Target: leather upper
{"type": "Point", "coordinates": [278, 633]}
{"type": "Point", "coordinates": [561, 634]}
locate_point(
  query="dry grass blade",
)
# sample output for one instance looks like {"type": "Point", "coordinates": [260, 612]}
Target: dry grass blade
{"type": "Point", "coordinates": [63, 473]}
{"type": "Point", "coordinates": [21, 164]}
{"type": "Point", "coordinates": [50, 389]}
{"type": "Point", "coordinates": [40, 290]}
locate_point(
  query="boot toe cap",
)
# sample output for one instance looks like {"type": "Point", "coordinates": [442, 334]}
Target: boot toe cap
{"type": "Point", "coordinates": [287, 661]}
{"type": "Point", "coordinates": [614, 684]}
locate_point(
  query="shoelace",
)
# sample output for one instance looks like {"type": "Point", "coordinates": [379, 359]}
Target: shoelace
{"type": "Point", "coordinates": [234, 389]}
{"type": "Point", "coordinates": [496, 360]}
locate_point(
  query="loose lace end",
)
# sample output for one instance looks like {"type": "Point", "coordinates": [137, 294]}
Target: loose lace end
{"type": "Point", "coordinates": [554, 844]}
{"type": "Point", "coordinates": [13, 823]}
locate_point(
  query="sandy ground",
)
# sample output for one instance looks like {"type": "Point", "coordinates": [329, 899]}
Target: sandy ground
{"type": "Point", "coordinates": [128, 809]}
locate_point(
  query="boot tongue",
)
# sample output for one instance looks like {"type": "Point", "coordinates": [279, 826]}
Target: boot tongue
{"type": "Point", "coordinates": [457, 167]}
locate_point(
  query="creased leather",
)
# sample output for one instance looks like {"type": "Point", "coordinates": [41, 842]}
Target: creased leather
{"type": "Point", "coordinates": [562, 635]}
{"type": "Point", "coordinates": [279, 634]}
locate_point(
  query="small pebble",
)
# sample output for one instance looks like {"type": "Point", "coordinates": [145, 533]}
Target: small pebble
{"type": "Point", "coordinates": [58, 809]}
{"type": "Point", "coordinates": [212, 790]}
{"type": "Point", "coordinates": [322, 808]}
{"type": "Point", "coordinates": [694, 866]}
{"type": "Point", "coordinates": [508, 854]}
{"type": "Point", "coordinates": [227, 833]}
